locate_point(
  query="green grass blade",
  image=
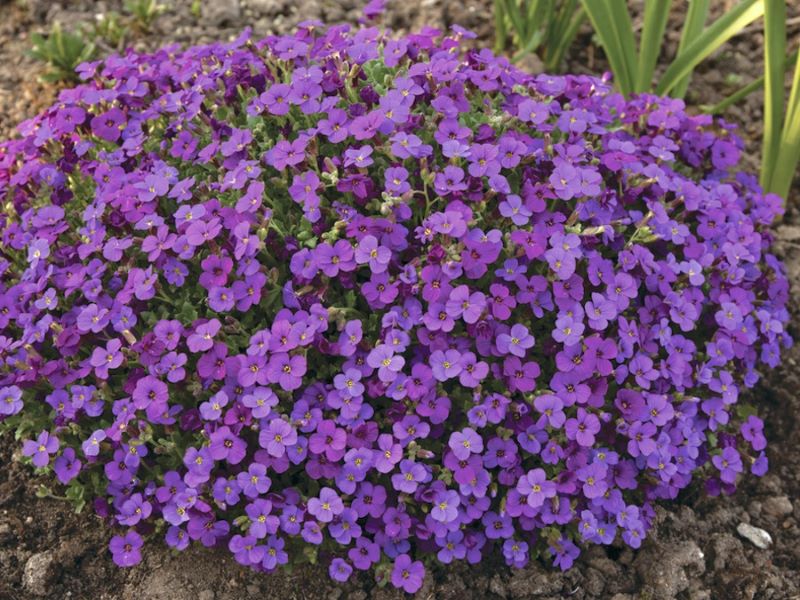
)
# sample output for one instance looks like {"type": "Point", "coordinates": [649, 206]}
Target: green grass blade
{"type": "Point", "coordinates": [774, 52]}
{"type": "Point", "coordinates": [500, 30]}
{"type": "Point", "coordinates": [789, 150]}
{"type": "Point", "coordinates": [531, 45]}
{"type": "Point", "coordinates": [599, 14]}
{"type": "Point", "coordinates": [712, 38]}
{"type": "Point", "coordinates": [656, 13]}
{"type": "Point", "coordinates": [623, 28]}
{"type": "Point", "coordinates": [544, 20]}
{"type": "Point", "coordinates": [554, 59]}
{"type": "Point", "coordinates": [793, 106]}
{"type": "Point", "coordinates": [746, 90]}
{"type": "Point", "coordinates": [735, 97]}
{"type": "Point", "coordinates": [517, 22]}
{"type": "Point", "coordinates": [693, 26]}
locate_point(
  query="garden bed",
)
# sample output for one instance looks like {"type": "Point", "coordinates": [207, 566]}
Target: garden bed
{"type": "Point", "coordinates": [694, 552]}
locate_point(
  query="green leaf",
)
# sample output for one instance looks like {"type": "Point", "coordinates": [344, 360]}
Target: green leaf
{"type": "Point", "coordinates": [656, 13]}
{"type": "Point", "coordinates": [774, 51]}
{"type": "Point", "coordinates": [623, 30]}
{"type": "Point", "coordinates": [735, 97]}
{"type": "Point", "coordinates": [710, 40]}
{"type": "Point", "coordinates": [619, 48]}
{"type": "Point", "coordinates": [564, 40]}
{"type": "Point", "coordinates": [789, 149]}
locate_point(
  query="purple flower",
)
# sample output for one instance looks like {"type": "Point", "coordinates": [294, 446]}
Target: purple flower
{"type": "Point", "coordinates": [445, 506]}
{"type": "Point", "coordinates": [109, 125]}
{"type": "Point", "coordinates": [384, 359]}
{"type": "Point", "coordinates": [286, 153]}
{"type": "Point", "coordinates": [287, 370]}
{"type": "Point", "coordinates": [370, 252]}
{"type": "Point", "coordinates": [340, 570]}
{"type": "Point", "coordinates": [91, 447]}
{"type": "Point", "coordinates": [277, 437]}
{"type": "Point", "coordinates": [478, 322]}
{"type": "Point", "coordinates": [10, 400]}
{"type": "Point", "coordinates": [358, 157]}
{"type": "Point", "coordinates": [67, 466]}
{"type": "Point", "coordinates": [465, 442]}
{"type": "Point", "coordinates": [411, 475]}
{"type": "Point", "coordinates": [535, 487]}
{"type": "Point", "coordinates": [466, 305]}
{"type": "Point", "coordinates": [407, 574]}
{"type": "Point", "coordinates": [225, 445]}
{"type": "Point", "coordinates": [326, 506]}
{"type": "Point", "coordinates": [583, 428]}
{"type": "Point", "coordinates": [729, 464]}
{"type": "Point", "coordinates": [203, 337]}
{"type": "Point", "coordinates": [516, 342]}
{"type": "Point", "coordinates": [40, 449]}
{"type": "Point", "coordinates": [126, 550]}
{"type": "Point", "coordinates": [445, 365]}
{"type": "Point", "coordinates": [254, 481]}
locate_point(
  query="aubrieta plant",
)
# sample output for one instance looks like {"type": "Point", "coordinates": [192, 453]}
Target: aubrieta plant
{"type": "Point", "coordinates": [379, 302]}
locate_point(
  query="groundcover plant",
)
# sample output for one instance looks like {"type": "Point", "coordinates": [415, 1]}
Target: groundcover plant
{"type": "Point", "coordinates": [379, 302]}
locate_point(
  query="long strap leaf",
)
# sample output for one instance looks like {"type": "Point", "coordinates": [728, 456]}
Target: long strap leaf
{"type": "Point", "coordinates": [774, 53]}
{"type": "Point", "coordinates": [623, 29]}
{"type": "Point", "coordinates": [712, 38]}
{"type": "Point", "coordinates": [693, 26]}
{"type": "Point", "coordinates": [748, 89]}
{"type": "Point", "coordinates": [789, 149]}
{"type": "Point", "coordinates": [556, 56]}
{"type": "Point", "coordinates": [656, 13]}
{"type": "Point", "coordinates": [621, 54]}
{"type": "Point", "coordinates": [793, 107]}
{"type": "Point", "coordinates": [500, 30]}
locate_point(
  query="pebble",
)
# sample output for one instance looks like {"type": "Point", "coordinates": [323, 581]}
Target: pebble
{"type": "Point", "coordinates": [221, 12]}
{"type": "Point", "coordinates": [789, 233]}
{"type": "Point", "coordinates": [777, 506]}
{"type": "Point", "coordinates": [39, 574]}
{"type": "Point", "coordinates": [757, 536]}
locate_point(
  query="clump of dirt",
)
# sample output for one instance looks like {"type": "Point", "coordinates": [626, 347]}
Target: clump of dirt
{"type": "Point", "coordinates": [694, 552]}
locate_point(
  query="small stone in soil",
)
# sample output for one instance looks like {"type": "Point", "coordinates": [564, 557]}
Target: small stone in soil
{"type": "Point", "coordinates": [220, 12]}
{"type": "Point", "coordinates": [39, 573]}
{"type": "Point", "coordinates": [757, 536]}
{"type": "Point", "coordinates": [777, 506]}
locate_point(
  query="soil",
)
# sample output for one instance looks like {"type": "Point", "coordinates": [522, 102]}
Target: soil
{"type": "Point", "coordinates": [694, 552]}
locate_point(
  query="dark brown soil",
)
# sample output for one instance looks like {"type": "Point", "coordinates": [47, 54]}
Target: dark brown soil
{"type": "Point", "coordinates": [47, 551]}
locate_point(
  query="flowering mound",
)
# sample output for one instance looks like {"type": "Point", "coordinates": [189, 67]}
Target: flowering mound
{"type": "Point", "coordinates": [343, 297]}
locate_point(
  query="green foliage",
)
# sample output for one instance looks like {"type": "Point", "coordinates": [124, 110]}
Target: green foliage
{"type": "Point", "coordinates": [144, 12]}
{"type": "Point", "coordinates": [633, 68]}
{"type": "Point", "coordinates": [544, 27]}
{"type": "Point", "coordinates": [109, 28]}
{"type": "Point", "coordinates": [781, 145]}
{"type": "Point", "coordinates": [63, 51]}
